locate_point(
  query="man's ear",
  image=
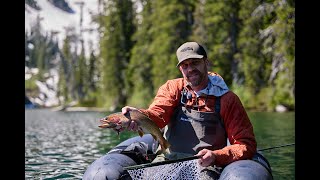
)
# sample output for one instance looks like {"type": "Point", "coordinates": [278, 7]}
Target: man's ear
{"type": "Point", "coordinates": [208, 63]}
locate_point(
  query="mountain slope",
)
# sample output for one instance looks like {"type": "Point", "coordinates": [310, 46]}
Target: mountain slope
{"type": "Point", "coordinates": [56, 16]}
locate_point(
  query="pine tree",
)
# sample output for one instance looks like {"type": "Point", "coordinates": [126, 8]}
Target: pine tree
{"type": "Point", "coordinates": [139, 69]}
{"type": "Point", "coordinates": [252, 58]}
{"type": "Point", "coordinates": [282, 76]}
{"type": "Point", "coordinates": [115, 47]}
{"type": "Point", "coordinates": [217, 28]}
{"type": "Point", "coordinates": [92, 72]}
{"type": "Point", "coordinates": [168, 33]}
{"type": "Point", "coordinates": [199, 33]}
{"type": "Point", "coordinates": [80, 75]}
{"type": "Point", "coordinates": [66, 76]}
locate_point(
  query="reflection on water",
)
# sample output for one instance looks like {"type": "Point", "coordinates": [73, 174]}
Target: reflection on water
{"type": "Point", "coordinates": [61, 145]}
{"type": "Point", "coordinates": [276, 129]}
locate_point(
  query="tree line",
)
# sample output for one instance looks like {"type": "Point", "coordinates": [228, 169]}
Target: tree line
{"type": "Point", "coordinates": [250, 43]}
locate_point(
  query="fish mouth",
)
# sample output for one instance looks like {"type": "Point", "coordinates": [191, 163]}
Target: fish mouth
{"type": "Point", "coordinates": [104, 120]}
{"type": "Point", "coordinates": [107, 125]}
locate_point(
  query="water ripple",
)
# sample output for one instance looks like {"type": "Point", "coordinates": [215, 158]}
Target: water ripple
{"type": "Point", "coordinates": [61, 145]}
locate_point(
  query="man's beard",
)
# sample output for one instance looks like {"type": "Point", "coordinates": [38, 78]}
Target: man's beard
{"type": "Point", "coordinates": [197, 81]}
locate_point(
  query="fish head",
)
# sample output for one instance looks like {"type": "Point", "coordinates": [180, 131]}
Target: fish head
{"type": "Point", "coordinates": [111, 121]}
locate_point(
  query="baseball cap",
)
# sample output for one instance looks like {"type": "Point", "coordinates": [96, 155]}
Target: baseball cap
{"type": "Point", "coordinates": [190, 50]}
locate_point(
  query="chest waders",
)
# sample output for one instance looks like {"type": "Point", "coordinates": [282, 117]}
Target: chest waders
{"type": "Point", "coordinates": [190, 130]}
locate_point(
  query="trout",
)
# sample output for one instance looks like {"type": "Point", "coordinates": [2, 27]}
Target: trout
{"type": "Point", "coordinates": [145, 125]}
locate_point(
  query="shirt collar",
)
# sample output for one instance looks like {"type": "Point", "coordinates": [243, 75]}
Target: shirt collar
{"type": "Point", "coordinates": [216, 87]}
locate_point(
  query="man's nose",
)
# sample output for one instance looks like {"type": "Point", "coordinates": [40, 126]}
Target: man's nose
{"type": "Point", "coordinates": [190, 67]}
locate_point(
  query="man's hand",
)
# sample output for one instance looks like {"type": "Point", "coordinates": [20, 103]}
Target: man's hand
{"type": "Point", "coordinates": [132, 125]}
{"type": "Point", "coordinates": [120, 122]}
{"type": "Point", "coordinates": [207, 157]}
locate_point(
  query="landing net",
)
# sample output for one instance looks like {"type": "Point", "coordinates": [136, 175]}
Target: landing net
{"type": "Point", "coordinates": [183, 170]}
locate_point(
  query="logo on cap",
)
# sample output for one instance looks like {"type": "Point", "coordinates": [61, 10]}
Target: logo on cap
{"type": "Point", "coordinates": [186, 49]}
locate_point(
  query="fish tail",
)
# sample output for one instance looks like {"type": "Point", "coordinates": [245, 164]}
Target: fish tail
{"type": "Point", "coordinates": [164, 144]}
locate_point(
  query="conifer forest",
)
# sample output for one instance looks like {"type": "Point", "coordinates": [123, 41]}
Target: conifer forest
{"type": "Point", "coordinates": [250, 43]}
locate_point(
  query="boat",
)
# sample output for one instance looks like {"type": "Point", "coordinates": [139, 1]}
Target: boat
{"type": "Point", "coordinates": [141, 150]}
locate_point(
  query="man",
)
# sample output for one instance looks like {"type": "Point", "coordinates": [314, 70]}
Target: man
{"type": "Point", "coordinates": [200, 114]}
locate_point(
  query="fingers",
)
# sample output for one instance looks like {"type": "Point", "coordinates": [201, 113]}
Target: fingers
{"type": "Point", "coordinates": [207, 157]}
{"type": "Point", "coordinates": [133, 126]}
{"type": "Point", "coordinates": [125, 109]}
{"type": "Point", "coordinates": [201, 154]}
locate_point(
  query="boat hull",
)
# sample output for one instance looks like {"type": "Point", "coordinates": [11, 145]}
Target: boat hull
{"type": "Point", "coordinates": [138, 150]}
{"type": "Point", "coordinates": [128, 153]}
{"type": "Point", "coordinates": [245, 170]}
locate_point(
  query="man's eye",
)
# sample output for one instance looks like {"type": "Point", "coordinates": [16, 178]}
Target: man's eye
{"type": "Point", "coordinates": [193, 63]}
{"type": "Point", "coordinates": [184, 66]}
{"type": "Point", "coordinates": [196, 63]}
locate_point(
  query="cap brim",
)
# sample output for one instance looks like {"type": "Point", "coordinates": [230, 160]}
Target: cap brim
{"type": "Point", "coordinates": [196, 56]}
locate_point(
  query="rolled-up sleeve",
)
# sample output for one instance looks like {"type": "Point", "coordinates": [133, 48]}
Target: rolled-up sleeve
{"type": "Point", "coordinates": [164, 103]}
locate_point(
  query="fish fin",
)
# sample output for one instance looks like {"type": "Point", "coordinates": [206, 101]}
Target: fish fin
{"type": "Point", "coordinates": [140, 133]}
{"type": "Point", "coordinates": [162, 141]}
{"type": "Point", "coordinates": [118, 132]}
{"type": "Point", "coordinates": [167, 145]}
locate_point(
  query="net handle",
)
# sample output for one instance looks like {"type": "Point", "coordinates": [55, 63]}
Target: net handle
{"type": "Point", "coordinates": [161, 163]}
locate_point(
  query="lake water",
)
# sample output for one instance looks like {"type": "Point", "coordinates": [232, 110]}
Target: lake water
{"type": "Point", "coordinates": [61, 145]}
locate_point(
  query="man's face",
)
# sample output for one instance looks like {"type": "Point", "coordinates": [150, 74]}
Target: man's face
{"type": "Point", "coordinates": [194, 71]}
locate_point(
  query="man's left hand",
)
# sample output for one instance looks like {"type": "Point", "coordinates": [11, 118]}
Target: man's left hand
{"type": "Point", "coordinates": [207, 157]}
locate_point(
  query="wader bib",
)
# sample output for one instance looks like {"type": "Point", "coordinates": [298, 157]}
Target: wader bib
{"type": "Point", "coordinates": [190, 131]}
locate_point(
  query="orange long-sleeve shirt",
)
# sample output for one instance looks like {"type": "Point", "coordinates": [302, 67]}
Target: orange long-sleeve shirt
{"type": "Point", "coordinates": [237, 124]}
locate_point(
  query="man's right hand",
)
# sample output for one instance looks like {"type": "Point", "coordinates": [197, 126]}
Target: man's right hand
{"type": "Point", "coordinates": [132, 125]}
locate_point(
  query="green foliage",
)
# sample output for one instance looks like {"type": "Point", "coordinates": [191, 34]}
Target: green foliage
{"type": "Point", "coordinates": [284, 73]}
{"type": "Point", "coordinates": [81, 75]}
{"type": "Point", "coordinates": [141, 99]}
{"type": "Point", "coordinates": [258, 102]}
{"type": "Point", "coordinates": [90, 100]}
{"type": "Point", "coordinates": [31, 87]}
{"type": "Point", "coordinates": [115, 46]}
{"type": "Point", "coordinates": [220, 28]}
{"type": "Point", "coordinates": [251, 44]}
{"type": "Point", "coordinates": [168, 33]}
{"type": "Point", "coordinates": [252, 60]}
{"type": "Point", "coordinates": [244, 94]}
{"type": "Point", "coordinates": [66, 73]}
{"type": "Point", "coordinates": [30, 84]}
{"type": "Point", "coordinates": [139, 76]}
